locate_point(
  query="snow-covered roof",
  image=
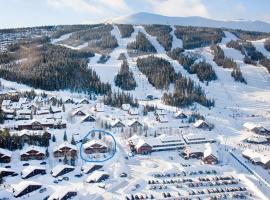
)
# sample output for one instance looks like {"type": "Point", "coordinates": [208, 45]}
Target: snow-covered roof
{"type": "Point", "coordinates": [199, 122]}
{"type": "Point", "coordinates": [78, 110]}
{"type": "Point", "coordinates": [86, 116]}
{"type": "Point", "coordinates": [140, 143]}
{"type": "Point", "coordinates": [95, 176]}
{"type": "Point", "coordinates": [27, 132]}
{"type": "Point", "coordinates": [250, 125]}
{"type": "Point", "coordinates": [196, 148]}
{"type": "Point", "coordinates": [5, 152]}
{"type": "Point", "coordinates": [255, 156]}
{"type": "Point", "coordinates": [87, 167]}
{"type": "Point", "coordinates": [210, 149]}
{"type": "Point", "coordinates": [81, 101]}
{"type": "Point", "coordinates": [131, 122]}
{"type": "Point", "coordinates": [58, 168]}
{"type": "Point", "coordinates": [59, 194]}
{"type": "Point", "coordinates": [3, 169]}
{"type": "Point", "coordinates": [35, 148]}
{"type": "Point", "coordinates": [18, 188]}
{"type": "Point", "coordinates": [65, 144]}
{"type": "Point", "coordinates": [23, 112]}
{"type": "Point", "coordinates": [178, 113]}
{"type": "Point", "coordinates": [114, 122]}
{"type": "Point", "coordinates": [256, 139]}
{"type": "Point", "coordinates": [92, 142]}
{"type": "Point", "coordinates": [27, 170]}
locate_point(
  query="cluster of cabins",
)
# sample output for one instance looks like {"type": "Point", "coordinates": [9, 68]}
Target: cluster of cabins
{"type": "Point", "coordinates": [257, 158]}
{"type": "Point", "coordinates": [63, 150]}
{"type": "Point", "coordinates": [37, 114]}
{"type": "Point", "coordinates": [193, 146]}
{"type": "Point", "coordinates": [96, 175]}
{"type": "Point", "coordinates": [260, 129]}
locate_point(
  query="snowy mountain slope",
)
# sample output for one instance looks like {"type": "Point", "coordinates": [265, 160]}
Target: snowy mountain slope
{"type": "Point", "coordinates": [259, 45]}
{"type": "Point", "coordinates": [149, 18]}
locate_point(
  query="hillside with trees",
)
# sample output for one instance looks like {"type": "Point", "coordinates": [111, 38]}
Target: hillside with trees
{"type": "Point", "coordinates": [99, 39]}
{"type": "Point", "coordinates": [125, 30]}
{"type": "Point", "coordinates": [195, 37]}
{"type": "Point", "coordinates": [159, 71]}
{"type": "Point", "coordinates": [124, 79]}
{"type": "Point", "coordinates": [141, 46]}
{"type": "Point", "coordinates": [203, 70]}
{"type": "Point", "coordinates": [221, 60]}
{"type": "Point", "coordinates": [267, 45]}
{"type": "Point", "coordinates": [162, 33]}
{"type": "Point", "coordinates": [53, 67]}
{"type": "Point", "coordinates": [185, 93]}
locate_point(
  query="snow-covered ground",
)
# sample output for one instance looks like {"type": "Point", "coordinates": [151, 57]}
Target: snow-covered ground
{"type": "Point", "coordinates": [235, 104]}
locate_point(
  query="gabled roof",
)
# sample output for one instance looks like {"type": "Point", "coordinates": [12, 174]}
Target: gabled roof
{"type": "Point", "coordinates": [18, 188]}
{"type": "Point", "coordinates": [131, 122]}
{"type": "Point", "coordinates": [141, 143]}
{"type": "Point", "coordinates": [59, 194]}
{"type": "Point", "coordinates": [88, 115]}
{"type": "Point", "coordinates": [93, 142]}
{"type": "Point", "coordinates": [87, 167]}
{"type": "Point", "coordinates": [250, 125]}
{"type": "Point", "coordinates": [29, 169]}
{"type": "Point", "coordinates": [179, 113]}
{"type": "Point", "coordinates": [65, 144]}
{"type": "Point", "coordinates": [95, 176]}
{"type": "Point", "coordinates": [35, 148]}
{"type": "Point", "coordinates": [58, 168]}
{"type": "Point", "coordinates": [210, 149]}
{"type": "Point", "coordinates": [199, 122]}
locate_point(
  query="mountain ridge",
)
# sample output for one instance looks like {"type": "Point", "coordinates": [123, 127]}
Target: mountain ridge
{"type": "Point", "coordinates": [150, 18]}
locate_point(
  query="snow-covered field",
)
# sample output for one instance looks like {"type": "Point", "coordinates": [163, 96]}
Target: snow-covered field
{"type": "Point", "coordinates": [235, 104]}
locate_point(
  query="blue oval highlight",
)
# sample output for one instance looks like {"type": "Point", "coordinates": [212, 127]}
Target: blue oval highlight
{"type": "Point", "coordinates": [98, 161]}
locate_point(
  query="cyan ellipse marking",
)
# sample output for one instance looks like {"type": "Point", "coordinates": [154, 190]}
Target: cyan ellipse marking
{"type": "Point", "coordinates": [98, 161]}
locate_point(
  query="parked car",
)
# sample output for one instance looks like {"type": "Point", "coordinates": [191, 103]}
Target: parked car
{"type": "Point", "coordinates": [26, 164]}
{"type": "Point", "coordinates": [78, 175]}
{"type": "Point", "coordinates": [14, 174]}
{"type": "Point", "coordinates": [55, 181]}
{"type": "Point", "coordinates": [122, 175]}
{"type": "Point", "coordinates": [8, 166]}
{"type": "Point", "coordinates": [42, 190]}
{"type": "Point", "coordinates": [43, 163]}
{"type": "Point", "coordinates": [66, 178]}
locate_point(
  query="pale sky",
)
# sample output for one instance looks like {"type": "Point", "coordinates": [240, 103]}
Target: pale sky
{"type": "Point", "coordinates": [21, 13]}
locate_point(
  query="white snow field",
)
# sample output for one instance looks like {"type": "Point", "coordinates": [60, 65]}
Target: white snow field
{"type": "Point", "coordinates": [235, 104]}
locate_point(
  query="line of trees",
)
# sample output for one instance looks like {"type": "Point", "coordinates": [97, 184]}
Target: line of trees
{"type": "Point", "coordinates": [161, 74]}
{"type": "Point", "coordinates": [125, 29]}
{"type": "Point", "coordinates": [140, 46]}
{"type": "Point", "coordinates": [124, 79]}
{"type": "Point", "coordinates": [203, 70]}
{"type": "Point", "coordinates": [53, 67]}
{"type": "Point", "coordinates": [159, 71]}
{"type": "Point", "coordinates": [162, 33]}
{"type": "Point", "coordinates": [221, 60]}
{"type": "Point", "coordinates": [116, 99]}
{"type": "Point", "coordinates": [195, 37]}
{"type": "Point", "coordinates": [186, 92]}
